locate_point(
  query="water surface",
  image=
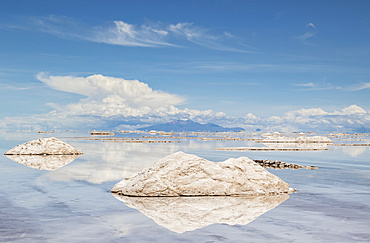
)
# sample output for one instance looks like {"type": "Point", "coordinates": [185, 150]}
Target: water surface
{"type": "Point", "coordinates": [73, 203]}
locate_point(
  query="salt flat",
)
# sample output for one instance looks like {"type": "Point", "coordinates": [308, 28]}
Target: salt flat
{"type": "Point", "coordinates": [74, 203]}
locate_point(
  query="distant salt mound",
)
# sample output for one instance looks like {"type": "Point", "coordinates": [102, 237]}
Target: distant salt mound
{"type": "Point", "coordinates": [182, 174]}
{"type": "Point", "coordinates": [44, 146]}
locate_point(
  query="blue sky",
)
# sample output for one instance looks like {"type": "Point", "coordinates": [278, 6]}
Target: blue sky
{"type": "Point", "coordinates": [212, 61]}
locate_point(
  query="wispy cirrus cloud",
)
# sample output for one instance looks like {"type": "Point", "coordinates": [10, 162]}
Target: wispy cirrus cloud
{"type": "Point", "coordinates": [126, 34]}
{"type": "Point", "coordinates": [270, 67]}
{"type": "Point", "coordinates": [358, 87]}
{"type": "Point", "coordinates": [327, 86]}
{"type": "Point", "coordinates": [312, 31]}
{"type": "Point", "coordinates": [202, 37]}
{"type": "Point", "coordinates": [317, 86]}
{"type": "Point", "coordinates": [310, 84]}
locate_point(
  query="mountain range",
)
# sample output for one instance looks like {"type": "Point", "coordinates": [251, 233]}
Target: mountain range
{"type": "Point", "coordinates": [189, 125]}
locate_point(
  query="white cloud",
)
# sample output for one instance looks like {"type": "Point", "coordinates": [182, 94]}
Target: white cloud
{"type": "Point", "coordinates": [359, 87]}
{"type": "Point", "coordinates": [306, 85]}
{"type": "Point", "coordinates": [349, 118]}
{"type": "Point", "coordinates": [102, 90]}
{"type": "Point", "coordinates": [274, 120]}
{"type": "Point", "coordinates": [309, 34]}
{"type": "Point", "coordinates": [109, 96]}
{"type": "Point", "coordinates": [250, 117]}
{"type": "Point", "coordinates": [353, 109]}
{"type": "Point", "coordinates": [116, 102]}
{"type": "Point", "coordinates": [125, 34]}
{"type": "Point", "coordinates": [310, 25]}
{"type": "Point", "coordinates": [201, 36]}
{"type": "Point", "coordinates": [305, 113]}
{"type": "Point", "coordinates": [318, 86]}
{"type": "Point", "coordinates": [327, 86]}
{"type": "Point", "coordinates": [109, 102]}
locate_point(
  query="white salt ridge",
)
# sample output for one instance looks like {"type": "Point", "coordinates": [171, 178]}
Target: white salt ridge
{"type": "Point", "coordinates": [182, 174]}
{"type": "Point", "coordinates": [301, 139]}
{"type": "Point", "coordinates": [44, 146]}
{"type": "Point", "coordinates": [181, 214]}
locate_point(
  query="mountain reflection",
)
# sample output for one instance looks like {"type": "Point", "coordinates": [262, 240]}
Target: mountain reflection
{"type": "Point", "coordinates": [41, 162]}
{"type": "Point", "coordinates": [181, 214]}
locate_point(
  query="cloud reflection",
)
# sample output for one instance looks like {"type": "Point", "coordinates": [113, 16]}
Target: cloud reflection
{"type": "Point", "coordinates": [104, 162]}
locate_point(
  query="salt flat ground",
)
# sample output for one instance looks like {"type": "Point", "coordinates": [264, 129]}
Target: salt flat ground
{"type": "Point", "coordinates": [74, 203]}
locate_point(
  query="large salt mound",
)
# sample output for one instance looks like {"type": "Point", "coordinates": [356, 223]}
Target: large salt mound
{"type": "Point", "coordinates": [43, 146]}
{"type": "Point", "coordinates": [182, 174]}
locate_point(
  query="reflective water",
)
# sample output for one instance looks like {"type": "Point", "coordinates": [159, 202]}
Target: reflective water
{"type": "Point", "coordinates": [73, 203]}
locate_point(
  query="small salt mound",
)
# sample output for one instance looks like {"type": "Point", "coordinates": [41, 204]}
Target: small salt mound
{"type": "Point", "coordinates": [43, 146]}
{"type": "Point", "coordinates": [182, 174]}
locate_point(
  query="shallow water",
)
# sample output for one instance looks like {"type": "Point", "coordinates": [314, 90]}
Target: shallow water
{"type": "Point", "coordinates": [74, 203]}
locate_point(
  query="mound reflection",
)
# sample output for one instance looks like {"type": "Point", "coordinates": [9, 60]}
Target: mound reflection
{"type": "Point", "coordinates": [43, 162]}
{"type": "Point", "coordinates": [181, 214]}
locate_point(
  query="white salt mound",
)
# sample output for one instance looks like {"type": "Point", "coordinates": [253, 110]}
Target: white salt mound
{"type": "Point", "coordinates": [43, 146]}
{"type": "Point", "coordinates": [182, 174]}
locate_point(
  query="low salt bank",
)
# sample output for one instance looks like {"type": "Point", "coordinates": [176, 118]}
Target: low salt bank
{"type": "Point", "coordinates": [182, 174]}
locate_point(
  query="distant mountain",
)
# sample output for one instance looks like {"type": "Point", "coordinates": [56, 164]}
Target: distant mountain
{"type": "Point", "coordinates": [188, 125]}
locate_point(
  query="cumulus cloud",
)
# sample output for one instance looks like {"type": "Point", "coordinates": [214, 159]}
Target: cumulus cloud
{"type": "Point", "coordinates": [305, 113]}
{"type": "Point", "coordinates": [351, 118]}
{"type": "Point", "coordinates": [251, 118]}
{"type": "Point", "coordinates": [109, 97]}
{"type": "Point", "coordinates": [110, 92]}
{"type": "Point", "coordinates": [109, 101]}
{"type": "Point", "coordinates": [353, 109]}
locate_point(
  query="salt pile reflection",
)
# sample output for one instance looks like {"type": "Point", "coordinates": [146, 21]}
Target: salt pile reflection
{"type": "Point", "coordinates": [181, 214]}
{"type": "Point", "coordinates": [43, 162]}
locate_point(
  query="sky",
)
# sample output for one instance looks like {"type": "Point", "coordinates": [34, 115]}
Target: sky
{"type": "Point", "coordinates": [288, 65]}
